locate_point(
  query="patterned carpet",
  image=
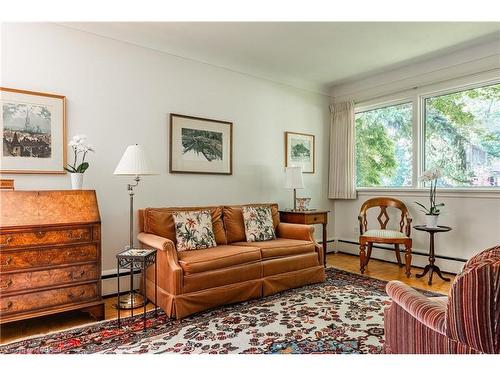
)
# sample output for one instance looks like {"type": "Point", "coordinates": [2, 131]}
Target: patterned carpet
{"type": "Point", "coordinates": [342, 315]}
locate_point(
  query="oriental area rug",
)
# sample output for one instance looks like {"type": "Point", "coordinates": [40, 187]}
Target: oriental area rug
{"type": "Point", "coordinates": [342, 315]}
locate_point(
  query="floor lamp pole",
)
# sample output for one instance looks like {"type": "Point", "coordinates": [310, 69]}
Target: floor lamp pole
{"type": "Point", "coordinates": [132, 299]}
{"type": "Point", "coordinates": [295, 199]}
{"type": "Point", "coordinates": [130, 188]}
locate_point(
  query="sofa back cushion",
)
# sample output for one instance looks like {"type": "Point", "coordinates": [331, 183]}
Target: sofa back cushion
{"type": "Point", "coordinates": [473, 311]}
{"type": "Point", "coordinates": [234, 224]}
{"type": "Point", "coordinates": [159, 221]}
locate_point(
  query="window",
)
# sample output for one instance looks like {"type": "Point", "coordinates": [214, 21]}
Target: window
{"type": "Point", "coordinates": [462, 137]}
{"type": "Point", "coordinates": [456, 131]}
{"type": "Point", "coordinates": [384, 146]}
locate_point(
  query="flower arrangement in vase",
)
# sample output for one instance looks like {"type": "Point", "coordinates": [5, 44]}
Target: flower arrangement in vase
{"type": "Point", "coordinates": [432, 213]}
{"type": "Point", "coordinates": [81, 148]}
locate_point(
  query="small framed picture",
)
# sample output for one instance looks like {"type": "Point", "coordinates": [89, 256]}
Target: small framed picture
{"type": "Point", "coordinates": [33, 129]}
{"type": "Point", "coordinates": [300, 151]}
{"type": "Point", "coordinates": [200, 145]}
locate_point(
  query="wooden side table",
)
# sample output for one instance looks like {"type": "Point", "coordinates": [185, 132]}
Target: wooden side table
{"type": "Point", "coordinates": [307, 217]}
{"type": "Point", "coordinates": [431, 266]}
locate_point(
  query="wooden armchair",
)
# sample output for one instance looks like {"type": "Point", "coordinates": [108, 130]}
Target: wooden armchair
{"type": "Point", "coordinates": [384, 236]}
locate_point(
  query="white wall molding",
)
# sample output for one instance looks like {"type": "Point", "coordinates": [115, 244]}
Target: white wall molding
{"type": "Point", "coordinates": [471, 61]}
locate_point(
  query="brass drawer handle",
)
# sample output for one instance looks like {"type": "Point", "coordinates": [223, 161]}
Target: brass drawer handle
{"type": "Point", "coordinates": [6, 285]}
{"type": "Point", "coordinates": [81, 253]}
{"type": "Point", "coordinates": [40, 234]}
{"type": "Point", "coordinates": [77, 275]}
{"type": "Point", "coordinates": [73, 296]}
{"type": "Point", "coordinates": [7, 261]}
{"type": "Point", "coordinates": [8, 307]}
{"type": "Point", "coordinates": [73, 236]}
{"type": "Point", "coordinates": [7, 241]}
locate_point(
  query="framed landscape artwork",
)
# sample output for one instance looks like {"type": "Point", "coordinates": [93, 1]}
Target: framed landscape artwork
{"type": "Point", "coordinates": [33, 130]}
{"type": "Point", "coordinates": [300, 151]}
{"type": "Point", "coordinates": [200, 145]}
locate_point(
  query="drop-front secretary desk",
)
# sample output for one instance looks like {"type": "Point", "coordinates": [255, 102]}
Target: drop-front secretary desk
{"type": "Point", "coordinates": [50, 253]}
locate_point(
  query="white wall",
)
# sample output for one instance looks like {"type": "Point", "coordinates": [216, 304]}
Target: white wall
{"type": "Point", "coordinates": [119, 94]}
{"type": "Point", "coordinates": [474, 216]}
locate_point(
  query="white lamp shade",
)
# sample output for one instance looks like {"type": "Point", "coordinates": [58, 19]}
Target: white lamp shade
{"type": "Point", "coordinates": [134, 162]}
{"type": "Point", "coordinates": [294, 178]}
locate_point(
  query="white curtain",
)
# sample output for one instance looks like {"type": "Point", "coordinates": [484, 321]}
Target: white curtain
{"type": "Point", "coordinates": [341, 181]}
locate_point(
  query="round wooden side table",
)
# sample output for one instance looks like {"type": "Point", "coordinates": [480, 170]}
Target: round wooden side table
{"type": "Point", "coordinates": [431, 266]}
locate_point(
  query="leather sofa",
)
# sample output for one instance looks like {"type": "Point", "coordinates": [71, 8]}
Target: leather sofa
{"type": "Point", "coordinates": [234, 270]}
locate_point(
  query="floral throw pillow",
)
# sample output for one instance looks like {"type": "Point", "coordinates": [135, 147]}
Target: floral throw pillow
{"type": "Point", "coordinates": [193, 230]}
{"type": "Point", "coordinates": [258, 223]}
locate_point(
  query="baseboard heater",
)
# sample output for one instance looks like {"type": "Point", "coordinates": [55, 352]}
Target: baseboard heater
{"type": "Point", "coordinates": [413, 252]}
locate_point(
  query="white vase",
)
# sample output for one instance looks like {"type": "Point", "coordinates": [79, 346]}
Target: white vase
{"type": "Point", "coordinates": [431, 221]}
{"type": "Point", "coordinates": [76, 181]}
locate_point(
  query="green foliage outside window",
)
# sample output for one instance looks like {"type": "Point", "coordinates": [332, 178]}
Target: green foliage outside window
{"type": "Point", "coordinates": [462, 139]}
{"type": "Point", "coordinates": [384, 146]}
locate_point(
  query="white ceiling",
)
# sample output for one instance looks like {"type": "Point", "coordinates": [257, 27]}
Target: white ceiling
{"type": "Point", "coordinates": [309, 55]}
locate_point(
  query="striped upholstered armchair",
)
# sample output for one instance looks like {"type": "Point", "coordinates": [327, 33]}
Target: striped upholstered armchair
{"type": "Point", "coordinates": [467, 321]}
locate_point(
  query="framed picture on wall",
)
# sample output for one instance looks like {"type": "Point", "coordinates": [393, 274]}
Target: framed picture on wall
{"type": "Point", "coordinates": [300, 151]}
{"type": "Point", "coordinates": [200, 145]}
{"type": "Point", "coordinates": [33, 130]}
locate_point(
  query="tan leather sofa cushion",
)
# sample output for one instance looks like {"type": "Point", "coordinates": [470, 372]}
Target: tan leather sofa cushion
{"type": "Point", "coordinates": [233, 220]}
{"type": "Point", "coordinates": [159, 221]}
{"type": "Point", "coordinates": [195, 261]}
{"type": "Point", "coordinates": [223, 278]}
{"type": "Point", "coordinates": [276, 266]}
{"type": "Point", "coordinates": [280, 247]}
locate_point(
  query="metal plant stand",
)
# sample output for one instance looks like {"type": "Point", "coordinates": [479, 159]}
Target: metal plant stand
{"type": "Point", "coordinates": [137, 259]}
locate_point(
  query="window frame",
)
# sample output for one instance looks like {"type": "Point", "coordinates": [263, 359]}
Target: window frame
{"type": "Point", "coordinates": [417, 97]}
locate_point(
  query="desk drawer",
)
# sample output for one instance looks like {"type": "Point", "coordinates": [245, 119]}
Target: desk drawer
{"type": "Point", "coordinates": [47, 298]}
{"type": "Point", "coordinates": [46, 257]}
{"type": "Point", "coordinates": [45, 237]}
{"type": "Point", "coordinates": [315, 219]}
{"type": "Point", "coordinates": [13, 282]}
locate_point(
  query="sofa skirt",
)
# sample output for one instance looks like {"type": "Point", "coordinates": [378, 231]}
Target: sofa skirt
{"type": "Point", "coordinates": [180, 306]}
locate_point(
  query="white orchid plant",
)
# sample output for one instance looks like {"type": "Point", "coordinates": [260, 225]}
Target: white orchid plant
{"type": "Point", "coordinates": [80, 148]}
{"type": "Point", "coordinates": [431, 176]}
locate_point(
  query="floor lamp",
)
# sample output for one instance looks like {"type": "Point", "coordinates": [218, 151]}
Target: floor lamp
{"type": "Point", "coordinates": [134, 162]}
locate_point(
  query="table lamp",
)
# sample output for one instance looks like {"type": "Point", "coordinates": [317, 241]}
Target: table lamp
{"type": "Point", "coordinates": [134, 162]}
{"type": "Point", "coordinates": [294, 181]}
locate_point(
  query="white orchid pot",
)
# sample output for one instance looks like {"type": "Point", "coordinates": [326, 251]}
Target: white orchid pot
{"type": "Point", "coordinates": [76, 181]}
{"type": "Point", "coordinates": [431, 221]}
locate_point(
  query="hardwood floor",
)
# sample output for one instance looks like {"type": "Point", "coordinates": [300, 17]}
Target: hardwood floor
{"type": "Point", "coordinates": [377, 269]}
{"type": "Point", "coordinates": [390, 271]}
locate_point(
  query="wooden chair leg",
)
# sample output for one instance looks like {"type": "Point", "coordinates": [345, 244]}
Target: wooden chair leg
{"type": "Point", "coordinates": [398, 254]}
{"type": "Point", "coordinates": [369, 254]}
{"type": "Point", "coordinates": [362, 257]}
{"type": "Point", "coordinates": [408, 259]}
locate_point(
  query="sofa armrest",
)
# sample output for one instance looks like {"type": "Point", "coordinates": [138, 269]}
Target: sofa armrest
{"type": "Point", "coordinates": [169, 271]}
{"type": "Point", "coordinates": [427, 311]}
{"type": "Point", "coordinates": [157, 242]}
{"type": "Point", "coordinates": [296, 231]}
